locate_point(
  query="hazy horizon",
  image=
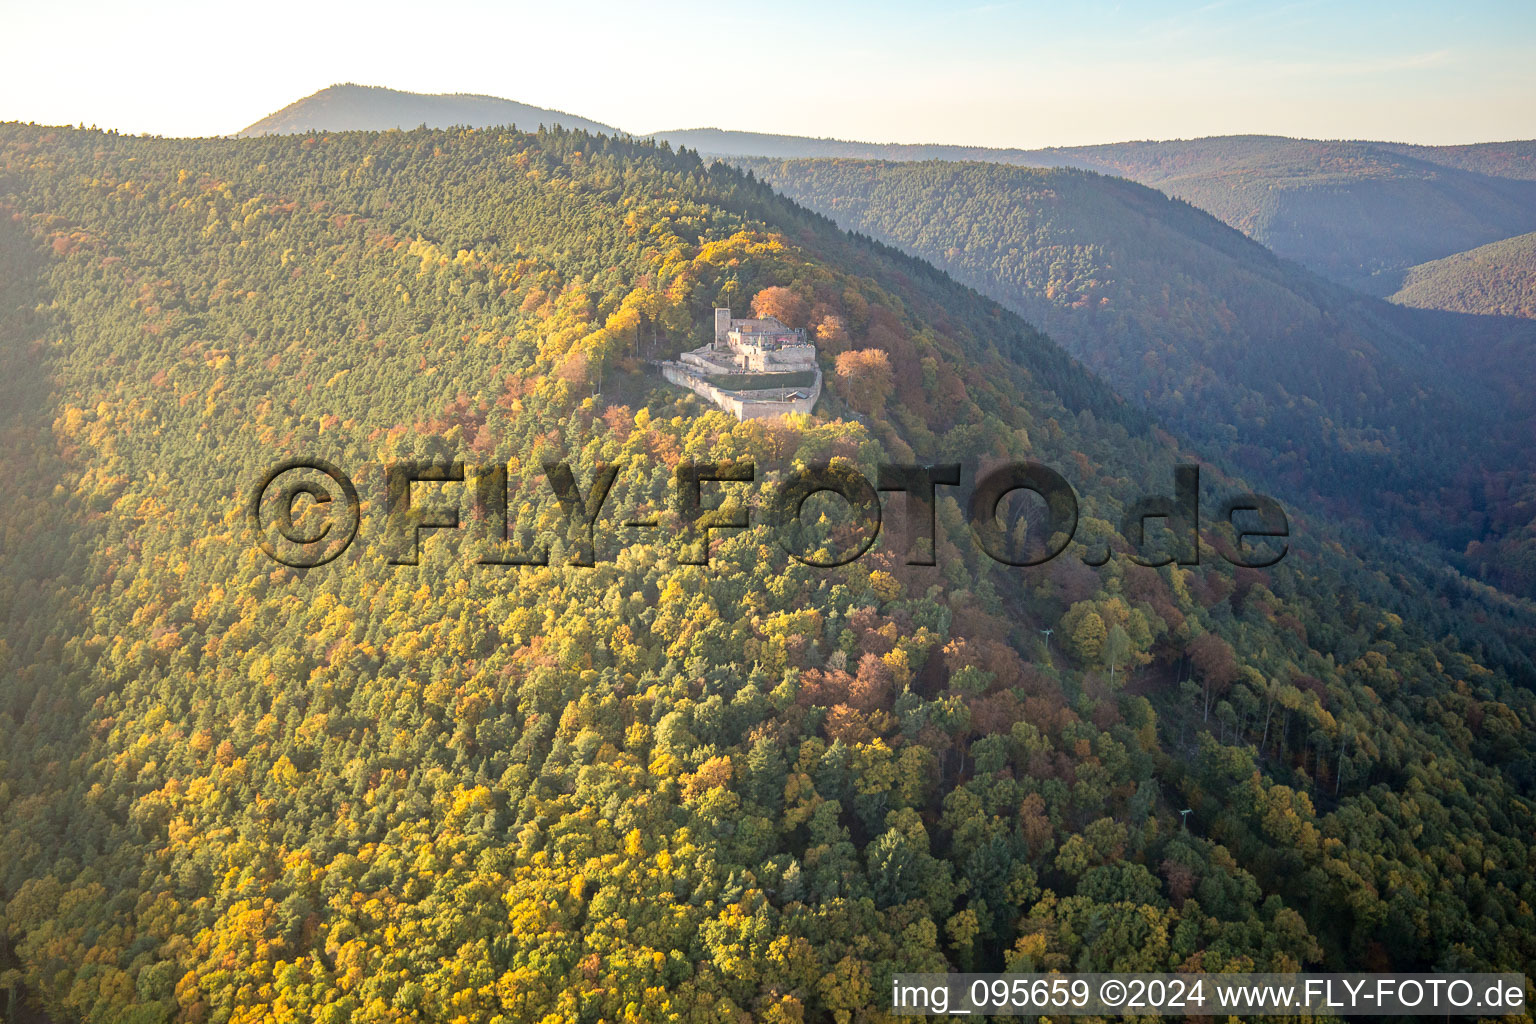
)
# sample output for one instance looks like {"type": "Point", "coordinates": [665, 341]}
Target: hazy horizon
{"type": "Point", "coordinates": [1007, 75]}
{"type": "Point", "coordinates": [855, 139]}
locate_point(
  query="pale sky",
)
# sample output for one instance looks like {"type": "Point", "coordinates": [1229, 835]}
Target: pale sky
{"type": "Point", "coordinates": [986, 73]}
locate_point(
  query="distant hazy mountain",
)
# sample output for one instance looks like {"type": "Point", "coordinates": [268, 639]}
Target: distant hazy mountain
{"type": "Point", "coordinates": [349, 107]}
{"type": "Point", "coordinates": [1498, 279]}
{"type": "Point", "coordinates": [722, 143]}
{"type": "Point", "coordinates": [1499, 159]}
{"type": "Point", "coordinates": [1359, 212]}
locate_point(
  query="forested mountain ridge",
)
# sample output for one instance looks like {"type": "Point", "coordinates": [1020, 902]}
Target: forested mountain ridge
{"type": "Point", "coordinates": [1391, 416]}
{"type": "Point", "coordinates": [1358, 212]}
{"type": "Point", "coordinates": [235, 791]}
{"type": "Point", "coordinates": [350, 107]}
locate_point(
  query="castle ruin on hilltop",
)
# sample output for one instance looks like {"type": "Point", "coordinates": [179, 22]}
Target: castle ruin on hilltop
{"type": "Point", "coordinates": [753, 368]}
{"type": "Point", "coordinates": [763, 345]}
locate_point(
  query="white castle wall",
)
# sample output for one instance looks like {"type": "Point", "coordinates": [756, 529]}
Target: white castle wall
{"type": "Point", "coordinates": [743, 408]}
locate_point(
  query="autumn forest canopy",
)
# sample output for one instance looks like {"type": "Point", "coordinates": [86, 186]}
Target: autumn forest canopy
{"type": "Point", "coordinates": [235, 791]}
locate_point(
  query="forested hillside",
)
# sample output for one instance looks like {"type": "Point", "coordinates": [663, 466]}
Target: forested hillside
{"type": "Point", "coordinates": [1498, 279]}
{"type": "Point", "coordinates": [1393, 417]}
{"type": "Point", "coordinates": [647, 790]}
{"type": "Point", "coordinates": [349, 107]}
